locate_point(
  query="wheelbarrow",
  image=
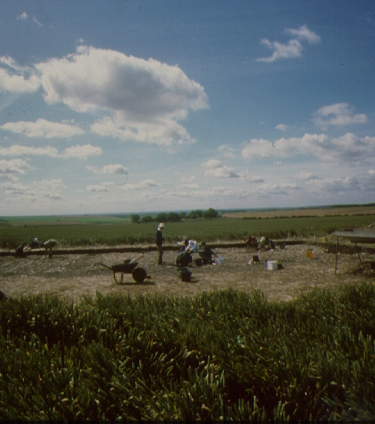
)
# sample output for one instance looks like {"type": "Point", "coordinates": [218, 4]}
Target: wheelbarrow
{"type": "Point", "coordinates": [129, 266]}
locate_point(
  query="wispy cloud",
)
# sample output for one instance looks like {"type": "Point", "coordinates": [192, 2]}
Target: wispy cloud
{"type": "Point", "coordinates": [82, 152]}
{"type": "Point", "coordinates": [9, 169]}
{"type": "Point", "coordinates": [282, 127]}
{"type": "Point", "coordinates": [17, 79]}
{"type": "Point", "coordinates": [145, 184]}
{"type": "Point", "coordinates": [347, 148]}
{"type": "Point", "coordinates": [217, 170]}
{"type": "Point", "coordinates": [227, 151]}
{"type": "Point", "coordinates": [35, 191]}
{"type": "Point", "coordinates": [303, 33]}
{"type": "Point", "coordinates": [19, 150]}
{"type": "Point", "coordinates": [305, 176]}
{"type": "Point", "coordinates": [78, 152]}
{"type": "Point", "coordinates": [22, 17]}
{"type": "Point", "coordinates": [109, 169]}
{"type": "Point", "coordinates": [293, 48]}
{"type": "Point", "coordinates": [42, 129]}
{"type": "Point", "coordinates": [37, 22]}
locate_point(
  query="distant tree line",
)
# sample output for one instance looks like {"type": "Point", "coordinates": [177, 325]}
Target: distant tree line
{"type": "Point", "coordinates": [175, 216]}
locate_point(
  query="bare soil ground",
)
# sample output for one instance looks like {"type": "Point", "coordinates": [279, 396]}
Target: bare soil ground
{"type": "Point", "coordinates": [74, 275]}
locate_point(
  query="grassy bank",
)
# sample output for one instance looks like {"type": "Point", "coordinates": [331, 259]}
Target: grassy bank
{"type": "Point", "coordinates": [219, 356]}
{"type": "Point", "coordinates": [112, 233]}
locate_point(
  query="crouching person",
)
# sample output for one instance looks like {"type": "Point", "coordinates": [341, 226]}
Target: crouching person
{"type": "Point", "coordinates": [206, 254]}
{"type": "Point", "coordinates": [184, 258]}
{"type": "Point", "coordinates": [49, 245]}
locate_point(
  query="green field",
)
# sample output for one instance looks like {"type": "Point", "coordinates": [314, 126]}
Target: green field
{"type": "Point", "coordinates": [223, 356]}
{"type": "Point", "coordinates": [116, 230]}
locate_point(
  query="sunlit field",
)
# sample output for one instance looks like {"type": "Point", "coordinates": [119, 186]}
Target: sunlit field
{"type": "Point", "coordinates": [111, 230]}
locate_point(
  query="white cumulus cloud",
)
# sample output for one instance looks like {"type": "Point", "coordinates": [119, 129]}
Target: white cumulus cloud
{"type": "Point", "coordinates": [338, 114]}
{"type": "Point", "coordinates": [14, 83]}
{"type": "Point", "coordinates": [216, 169]}
{"type": "Point", "coordinates": [145, 99]}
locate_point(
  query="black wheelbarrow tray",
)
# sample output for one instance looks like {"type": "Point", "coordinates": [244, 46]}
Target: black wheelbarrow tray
{"type": "Point", "coordinates": [128, 267]}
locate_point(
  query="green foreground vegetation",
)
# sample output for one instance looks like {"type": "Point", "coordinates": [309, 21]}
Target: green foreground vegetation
{"type": "Point", "coordinates": [226, 355]}
{"type": "Point", "coordinates": [110, 231]}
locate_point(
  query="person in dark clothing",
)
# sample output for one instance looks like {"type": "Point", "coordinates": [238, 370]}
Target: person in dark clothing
{"type": "Point", "coordinates": [266, 243]}
{"type": "Point", "coordinates": [251, 241]}
{"type": "Point", "coordinates": [184, 258]}
{"type": "Point", "coordinates": [19, 251]}
{"type": "Point", "coordinates": [205, 253]}
{"type": "Point", "coordinates": [159, 242]}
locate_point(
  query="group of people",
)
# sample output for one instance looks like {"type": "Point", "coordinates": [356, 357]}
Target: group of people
{"type": "Point", "coordinates": [264, 243]}
{"type": "Point", "coordinates": [48, 245]}
{"type": "Point", "coordinates": [184, 256]}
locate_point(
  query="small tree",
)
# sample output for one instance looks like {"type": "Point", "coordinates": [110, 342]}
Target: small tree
{"type": "Point", "coordinates": [147, 218]}
{"type": "Point", "coordinates": [197, 213]}
{"type": "Point", "coordinates": [135, 219]}
{"type": "Point", "coordinates": [210, 214]}
{"type": "Point", "coordinates": [173, 217]}
{"type": "Point", "coordinates": [161, 217]}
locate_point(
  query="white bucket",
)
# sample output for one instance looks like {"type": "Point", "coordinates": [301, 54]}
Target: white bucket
{"type": "Point", "coordinates": [220, 260]}
{"type": "Point", "coordinates": [272, 265]}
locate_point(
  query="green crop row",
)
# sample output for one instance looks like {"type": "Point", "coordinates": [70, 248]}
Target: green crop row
{"type": "Point", "coordinates": [221, 229]}
{"type": "Point", "coordinates": [221, 356]}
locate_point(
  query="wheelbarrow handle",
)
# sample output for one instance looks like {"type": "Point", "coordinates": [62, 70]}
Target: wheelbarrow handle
{"type": "Point", "coordinates": [135, 259]}
{"type": "Point", "coordinates": [105, 266]}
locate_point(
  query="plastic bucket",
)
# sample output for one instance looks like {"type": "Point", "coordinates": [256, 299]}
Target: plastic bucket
{"type": "Point", "coordinates": [220, 260]}
{"type": "Point", "coordinates": [272, 265]}
{"type": "Point", "coordinates": [309, 254]}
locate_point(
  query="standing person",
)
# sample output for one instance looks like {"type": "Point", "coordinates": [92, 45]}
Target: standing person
{"type": "Point", "coordinates": [159, 242]}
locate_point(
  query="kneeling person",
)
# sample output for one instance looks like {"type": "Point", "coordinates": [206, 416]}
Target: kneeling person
{"type": "Point", "coordinates": [206, 254]}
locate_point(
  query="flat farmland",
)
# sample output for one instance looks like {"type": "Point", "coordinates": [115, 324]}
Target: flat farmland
{"type": "Point", "coordinates": [289, 213]}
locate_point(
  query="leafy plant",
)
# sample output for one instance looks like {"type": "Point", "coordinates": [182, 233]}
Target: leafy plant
{"type": "Point", "coordinates": [217, 356]}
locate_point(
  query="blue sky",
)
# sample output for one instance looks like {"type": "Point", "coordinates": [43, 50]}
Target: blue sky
{"type": "Point", "coordinates": [126, 106]}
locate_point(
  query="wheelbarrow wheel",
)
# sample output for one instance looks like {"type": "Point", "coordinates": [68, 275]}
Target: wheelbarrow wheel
{"type": "Point", "coordinates": [139, 274]}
